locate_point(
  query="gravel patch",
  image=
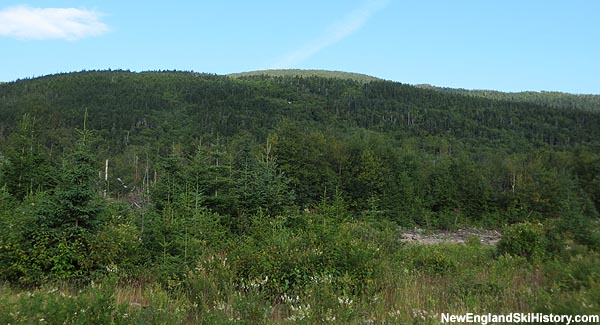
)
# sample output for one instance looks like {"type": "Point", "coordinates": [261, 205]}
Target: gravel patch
{"type": "Point", "coordinates": [459, 236]}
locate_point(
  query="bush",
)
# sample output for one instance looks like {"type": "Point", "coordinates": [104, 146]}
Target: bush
{"type": "Point", "coordinates": [93, 305]}
{"type": "Point", "coordinates": [289, 259]}
{"type": "Point", "coordinates": [578, 269]}
{"type": "Point", "coordinates": [524, 239]}
{"type": "Point", "coordinates": [433, 261]}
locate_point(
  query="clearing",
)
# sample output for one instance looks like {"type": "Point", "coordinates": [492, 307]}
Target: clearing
{"type": "Point", "coordinates": [460, 236]}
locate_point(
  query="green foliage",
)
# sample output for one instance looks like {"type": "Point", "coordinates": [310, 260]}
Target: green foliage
{"type": "Point", "coordinates": [524, 240]}
{"type": "Point", "coordinates": [306, 74]}
{"type": "Point", "coordinates": [263, 186]}
{"type": "Point", "coordinates": [214, 291]}
{"type": "Point", "coordinates": [550, 98]}
{"type": "Point", "coordinates": [277, 199]}
{"type": "Point", "coordinates": [304, 162]}
{"type": "Point", "coordinates": [74, 236]}
{"type": "Point", "coordinates": [96, 304]}
{"type": "Point", "coordinates": [76, 199]}
{"type": "Point", "coordinates": [116, 248]}
{"type": "Point", "coordinates": [322, 249]}
{"type": "Point", "coordinates": [573, 283]}
{"type": "Point", "coordinates": [434, 262]}
{"type": "Point", "coordinates": [416, 156]}
{"type": "Point", "coordinates": [24, 165]}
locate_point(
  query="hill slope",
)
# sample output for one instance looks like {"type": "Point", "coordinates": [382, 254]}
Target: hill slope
{"type": "Point", "coordinates": [549, 98]}
{"type": "Point", "coordinates": [226, 197]}
{"type": "Point", "coordinates": [307, 73]}
{"type": "Point", "coordinates": [383, 146]}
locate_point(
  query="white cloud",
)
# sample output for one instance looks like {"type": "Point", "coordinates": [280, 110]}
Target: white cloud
{"type": "Point", "coordinates": [338, 31]}
{"type": "Point", "coordinates": [27, 23]}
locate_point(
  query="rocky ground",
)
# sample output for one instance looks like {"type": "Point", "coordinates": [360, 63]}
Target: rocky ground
{"type": "Point", "coordinates": [430, 237]}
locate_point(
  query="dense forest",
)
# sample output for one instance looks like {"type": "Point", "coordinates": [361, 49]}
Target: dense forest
{"type": "Point", "coordinates": [291, 179]}
{"type": "Point", "coordinates": [329, 74]}
{"type": "Point", "coordinates": [548, 98]}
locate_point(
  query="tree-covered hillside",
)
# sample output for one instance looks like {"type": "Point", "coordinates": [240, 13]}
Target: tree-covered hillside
{"type": "Point", "coordinates": [80, 149]}
{"type": "Point", "coordinates": [307, 73]}
{"type": "Point", "coordinates": [548, 98]}
{"type": "Point", "coordinates": [415, 156]}
{"type": "Point", "coordinates": [176, 197]}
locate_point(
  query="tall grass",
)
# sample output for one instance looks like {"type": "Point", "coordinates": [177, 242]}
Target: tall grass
{"type": "Point", "coordinates": [323, 272]}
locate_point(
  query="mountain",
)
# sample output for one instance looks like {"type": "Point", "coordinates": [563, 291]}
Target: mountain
{"type": "Point", "coordinates": [269, 199]}
{"type": "Point", "coordinates": [410, 154]}
{"type": "Point", "coordinates": [308, 73]}
{"type": "Point", "coordinates": [548, 98]}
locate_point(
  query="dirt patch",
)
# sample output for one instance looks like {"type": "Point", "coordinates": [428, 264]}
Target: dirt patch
{"type": "Point", "coordinates": [460, 236]}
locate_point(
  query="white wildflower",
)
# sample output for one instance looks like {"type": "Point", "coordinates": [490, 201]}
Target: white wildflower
{"type": "Point", "coordinates": [345, 301]}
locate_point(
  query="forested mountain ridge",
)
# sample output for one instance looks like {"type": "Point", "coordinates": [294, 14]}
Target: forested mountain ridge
{"type": "Point", "coordinates": [220, 105]}
{"type": "Point", "coordinates": [387, 143]}
{"type": "Point", "coordinates": [307, 73]}
{"type": "Point", "coordinates": [547, 98]}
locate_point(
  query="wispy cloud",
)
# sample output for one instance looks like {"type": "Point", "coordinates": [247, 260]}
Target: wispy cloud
{"type": "Point", "coordinates": [338, 31]}
{"type": "Point", "coordinates": [28, 23]}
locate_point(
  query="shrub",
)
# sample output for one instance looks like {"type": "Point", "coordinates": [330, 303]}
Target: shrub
{"type": "Point", "coordinates": [523, 239]}
{"type": "Point", "coordinates": [291, 258]}
{"type": "Point", "coordinates": [92, 305]}
{"type": "Point", "coordinates": [433, 261]}
{"type": "Point", "coordinates": [578, 269]}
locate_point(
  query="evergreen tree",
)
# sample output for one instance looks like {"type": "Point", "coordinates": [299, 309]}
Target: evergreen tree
{"type": "Point", "coordinates": [24, 164]}
{"type": "Point", "coordinates": [77, 198]}
{"type": "Point", "coordinates": [263, 186]}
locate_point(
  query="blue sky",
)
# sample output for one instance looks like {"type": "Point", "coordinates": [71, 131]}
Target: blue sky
{"type": "Point", "coordinates": [503, 45]}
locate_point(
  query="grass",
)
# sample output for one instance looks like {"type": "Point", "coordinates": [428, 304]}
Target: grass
{"type": "Point", "coordinates": [417, 284]}
{"type": "Point", "coordinates": [347, 272]}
